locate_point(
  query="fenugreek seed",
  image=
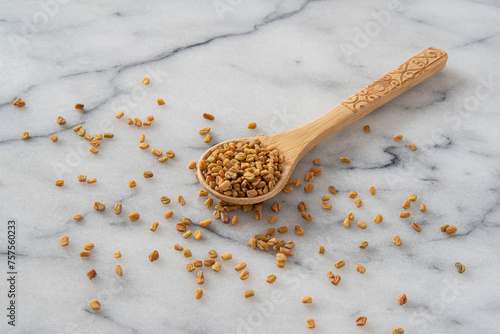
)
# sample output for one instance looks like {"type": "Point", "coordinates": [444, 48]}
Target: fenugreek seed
{"type": "Point", "coordinates": [190, 267]}
{"type": "Point", "coordinates": [443, 227]}
{"type": "Point", "coordinates": [362, 224]}
{"type": "Point", "coordinates": [347, 222]}
{"type": "Point", "coordinates": [406, 205]}
{"type": "Point", "coordinates": [96, 306]}
{"type": "Point", "coordinates": [416, 227]}
{"type": "Point", "coordinates": [280, 257]}
{"type": "Point", "coordinates": [302, 206]}
{"type": "Point", "coordinates": [134, 216]}
{"type": "Point", "coordinates": [77, 128]}
{"type": "Point", "coordinates": [81, 132]}
{"type": "Point", "coordinates": [84, 253]}
{"type": "Point", "coordinates": [147, 174]}
{"type": "Point", "coordinates": [398, 137]}
{"type": "Point", "coordinates": [187, 234]}
{"type": "Point", "coordinates": [199, 277]}
{"type": "Point", "coordinates": [316, 171]}
{"type": "Point", "coordinates": [153, 256]}
{"type": "Point", "coordinates": [332, 189]}
{"type": "Point", "coordinates": [308, 187]}
{"type": "Point", "coordinates": [160, 101]}
{"type": "Point", "coordinates": [146, 123]}
{"type": "Point", "coordinates": [77, 217]}
{"type": "Point", "coordinates": [353, 194]}
{"type": "Point", "coordinates": [272, 219]}
{"type": "Point", "coordinates": [181, 200]}
{"type": "Point", "coordinates": [360, 268]}
{"type": "Point", "coordinates": [178, 247]}
{"type": "Point", "coordinates": [117, 254]}
{"type": "Point", "coordinates": [207, 138]}
{"type": "Point", "coordinates": [397, 240]}
{"type": "Point", "coordinates": [287, 189]}
{"type": "Point", "coordinates": [168, 214]}
{"type": "Point", "coordinates": [79, 106]}
{"type": "Point", "coordinates": [248, 293]}
{"type": "Point", "coordinates": [378, 218]}
{"type": "Point", "coordinates": [402, 299]}
{"type": "Point", "coordinates": [118, 270]}
{"type": "Point", "coordinates": [271, 278]}
{"type": "Point", "coordinates": [204, 131]}
{"type": "Point", "coordinates": [276, 207]}
{"type": "Point", "coordinates": [153, 227]}
{"type": "Point", "coordinates": [412, 197]}
{"type": "Point", "coordinates": [350, 216]}
{"type": "Point", "coordinates": [451, 230]}
{"type": "Point", "coordinates": [98, 136]}
{"type": "Point", "coordinates": [206, 222]}
{"type": "Point", "coordinates": [460, 267]}
{"type": "Point", "coordinates": [99, 206]}
{"type": "Point", "coordinates": [270, 232]}
{"type": "Point", "coordinates": [89, 138]}
{"type": "Point", "coordinates": [263, 245]}
{"type": "Point", "coordinates": [330, 274]}
{"type": "Point", "coordinates": [307, 300]}
{"type": "Point", "coordinates": [82, 178]}
{"type": "Point", "coordinates": [299, 230]}
{"type": "Point", "coordinates": [339, 264]}
{"type": "Point", "coordinates": [297, 182]}
{"type": "Point", "coordinates": [170, 154]}
{"type": "Point", "coordinates": [88, 246]}
{"type": "Point", "coordinates": [398, 331]}
{"type": "Point", "coordinates": [92, 180]}
{"type": "Point", "coordinates": [326, 205]}
{"type": "Point", "coordinates": [25, 135]}
{"type": "Point", "coordinates": [234, 221]}
{"type": "Point", "coordinates": [131, 184]}
{"type": "Point", "coordinates": [252, 125]}
{"type": "Point", "coordinates": [317, 161]}
{"type": "Point", "coordinates": [202, 193]}
{"type": "Point", "coordinates": [187, 252]}
{"type": "Point", "coordinates": [225, 217]}
{"type": "Point", "coordinates": [240, 266]}
{"type": "Point", "coordinates": [423, 208]}
{"type": "Point", "coordinates": [244, 275]}
{"type": "Point", "coordinates": [310, 323]}
{"type": "Point", "coordinates": [198, 293]}
{"type": "Point", "coordinates": [335, 279]}
{"type": "Point", "coordinates": [321, 250]}
{"type": "Point", "coordinates": [216, 267]}
{"type": "Point", "coordinates": [144, 146]}
{"type": "Point", "coordinates": [358, 203]}
{"type": "Point", "coordinates": [372, 190]}
{"type": "Point", "coordinates": [366, 128]}
{"type": "Point", "coordinates": [306, 216]}
{"type": "Point", "coordinates": [150, 118]}
{"type": "Point", "coordinates": [208, 116]}
{"type": "Point", "coordinates": [19, 103]}
{"type": "Point", "coordinates": [208, 203]}
{"type": "Point", "coordinates": [197, 263]}
{"type": "Point", "coordinates": [208, 262]}
{"type": "Point", "coordinates": [120, 114]}
{"type": "Point", "coordinates": [363, 244]}
{"type": "Point", "coordinates": [155, 151]}
{"type": "Point", "coordinates": [145, 81]}
{"type": "Point", "coordinates": [95, 143]}
{"type": "Point", "coordinates": [91, 274]}
{"type": "Point", "coordinates": [93, 150]}
{"type": "Point", "coordinates": [108, 135]}
{"type": "Point", "coordinates": [404, 215]}
{"type": "Point", "coordinates": [412, 146]}
{"type": "Point", "coordinates": [64, 241]}
{"type": "Point", "coordinates": [180, 227]}
{"type": "Point", "coordinates": [197, 235]}
{"type": "Point", "coordinates": [283, 229]}
{"type": "Point", "coordinates": [325, 197]}
{"type": "Point", "coordinates": [360, 321]}
{"type": "Point", "coordinates": [54, 138]}
{"type": "Point", "coordinates": [192, 165]}
{"type": "Point", "coordinates": [345, 160]}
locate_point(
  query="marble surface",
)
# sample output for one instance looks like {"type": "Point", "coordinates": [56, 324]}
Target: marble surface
{"type": "Point", "coordinates": [280, 64]}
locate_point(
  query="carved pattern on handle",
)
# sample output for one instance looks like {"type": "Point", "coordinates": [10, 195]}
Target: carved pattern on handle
{"type": "Point", "coordinates": [412, 68]}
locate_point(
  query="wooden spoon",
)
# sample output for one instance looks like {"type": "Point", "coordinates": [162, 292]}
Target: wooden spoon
{"type": "Point", "coordinates": [295, 143]}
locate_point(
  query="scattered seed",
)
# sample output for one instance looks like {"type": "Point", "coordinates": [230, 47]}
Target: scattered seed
{"type": "Point", "coordinates": [363, 244]}
{"type": "Point", "coordinates": [287, 189]}
{"type": "Point", "coordinates": [147, 174]}
{"type": "Point", "coordinates": [82, 178]}
{"type": "Point", "coordinates": [117, 254]}
{"type": "Point", "coordinates": [208, 262]}
{"type": "Point", "coordinates": [309, 177]}
{"type": "Point", "coordinates": [99, 206]}
{"type": "Point", "coordinates": [402, 299]}
{"type": "Point", "coordinates": [412, 146]}
{"type": "Point", "coordinates": [93, 150]}
{"type": "Point", "coordinates": [187, 234]}
{"type": "Point", "coordinates": [404, 215]}
{"type": "Point", "coordinates": [307, 300]}
{"type": "Point", "coordinates": [252, 125]}
{"type": "Point", "coordinates": [443, 227]}
{"type": "Point", "coordinates": [170, 154]}
{"type": "Point", "coordinates": [168, 214]}
{"type": "Point", "coordinates": [283, 229]}
{"type": "Point", "coordinates": [406, 205]}
{"type": "Point", "coordinates": [225, 217]}
{"type": "Point", "coordinates": [144, 146]}
{"type": "Point", "coordinates": [160, 101]}
{"type": "Point", "coordinates": [199, 277]}
{"type": "Point", "coordinates": [88, 246]}
{"type": "Point", "coordinates": [332, 189]}
{"type": "Point", "coordinates": [207, 138]}
{"type": "Point", "coordinates": [397, 240]}
{"type": "Point", "coordinates": [366, 128]}
{"type": "Point", "coordinates": [347, 222]}
{"type": "Point", "coordinates": [297, 182]}
{"type": "Point", "coordinates": [208, 116]}
{"type": "Point", "coordinates": [334, 279]}
{"type": "Point", "coordinates": [353, 194]}
{"type": "Point", "coordinates": [92, 180]}
{"type": "Point", "coordinates": [398, 137]}
{"type": "Point", "coordinates": [302, 206]}
{"type": "Point", "coordinates": [198, 293]}
{"type": "Point", "coordinates": [54, 138]}
{"type": "Point", "coordinates": [272, 219]}
{"type": "Point", "coordinates": [276, 207]}
{"type": "Point", "coordinates": [360, 268]}
{"type": "Point", "coordinates": [192, 165]}
{"type": "Point", "coordinates": [197, 235]}
{"type": "Point", "coordinates": [79, 106]}
{"type": "Point", "coordinates": [372, 190]}
{"type": "Point", "coordinates": [131, 184]}
{"type": "Point", "coordinates": [271, 278]}
{"type": "Point", "coordinates": [216, 267]}
{"type": "Point", "coordinates": [321, 250]}
{"type": "Point", "coordinates": [108, 135]}
{"type": "Point", "coordinates": [326, 205]}
{"type": "Point", "coordinates": [451, 230]}
{"type": "Point", "coordinates": [134, 216]}
{"type": "Point", "coordinates": [155, 151]}
{"type": "Point", "coordinates": [423, 208]}
{"type": "Point", "coordinates": [306, 216]}
{"type": "Point", "coordinates": [64, 241]}
{"type": "Point", "coordinates": [181, 200]}
{"type": "Point", "coordinates": [197, 263]}
{"type": "Point", "coordinates": [145, 81]}
{"type": "Point", "coordinates": [94, 303]}
{"type": "Point", "coordinates": [398, 331]}
{"type": "Point", "coordinates": [118, 270]}
{"type": "Point", "coordinates": [360, 321]}
{"type": "Point", "coordinates": [248, 293]}
{"type": "Point", "coordinates": [244, 275]}
{"type": "Point", "coordinates": [310, 323]}
{"type": "Point", "coordinates": [299, 230]}
{"type": "Point", "coordinates": [178, 247]}
{"type": "Point", "coordinates": [204, 131]}
{"type": "Point", "coordinates": [325, 198]}
{"type": "Point", "coordinates": [153, 256]}
{"type": "Point", "coordinates": [240, 266]}
{"type": "Point", "coordinates": [378, 218]}
{"type": "Point", "coordinates": [84, 253]}
{"type": "Point", "coordinates": [350, 216]}
{"type": "Point", "coordinates": [339, 264]}
{"type": "Point", "coordinates": [19, 103]}
{"type": "Point", "coordinates": [358, 203]}
{"type": "Point", "coordinates": [416, 227]}
{"type": "Point", "coordinates": [317, 161]}
{"type": "Point", "coordinates": [345, 160]}
{"type": "Point", "coordinates": [91, 274]}
{"type": "Point", "coordinates": [153, 227]}
{"type": "Point", "coordinates": [460, 267]}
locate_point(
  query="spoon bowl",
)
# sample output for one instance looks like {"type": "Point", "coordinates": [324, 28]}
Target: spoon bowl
{"type": "Point", "coordinates": [295, 143]}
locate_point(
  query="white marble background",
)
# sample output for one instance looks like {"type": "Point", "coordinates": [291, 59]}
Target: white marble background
{"type": "Point", "coordinates": [279, 63]}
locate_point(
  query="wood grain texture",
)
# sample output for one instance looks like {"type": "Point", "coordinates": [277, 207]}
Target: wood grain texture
{"type": "Point", "coordinates": [295, 143]}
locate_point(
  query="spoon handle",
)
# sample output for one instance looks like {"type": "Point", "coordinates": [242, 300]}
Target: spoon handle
{"type": "Point", "coordinates": [415, 70]}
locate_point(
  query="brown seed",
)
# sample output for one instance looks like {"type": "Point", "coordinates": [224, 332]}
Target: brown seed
{"type": "Point", "coordinates": [154, 151]}
{"type": "Point", "coordinates": [131, 184]}
{"type": "Point", "coordinates": [397, 240]}
{"type": "Point", "coordinates": [64, 241]}
{"type": "Point", "coordinates": [404, 215]}
{"type": "Point", "coordinates": [204, 131]}
{"type": "Point", "coordinates": [252, 125]}
{"type": "Point", "coordinates": [92, 180]}
{"type": "Point", "coordinates": [181, 200]}
{"type": "Point", "coordinates": [208, 116]}
{"type": "Point", "coordinates": [412, 197]}
{"type": "Point", "coordinates": [99, 206]}
{"type": "Point", "coordinates": [443, 227]}
{"type": "Point", "coordinates": [325, 197]}
{"type": "Point", "coordinates": [460, 267]}
{"type": "Point", "coordinates": [147, 174]}
{"type": "Point", "coordinates": [307, 300]}
{"type": "Point", "coordinates": [153, 256]}
{"type": "Point", "coordinates": [206, 222]}
{"type": "Point", "coordinates": [145, 81]}
{"type": "Point", "coordinates": [347, 222]}
{"type": "Point", "coordinates": [335, 279]}
{"type": "Point", "coordinates": [84, 253]}
{"type": "Point", "coordinates": [96, 306]}
{"type": "Point", "coordinates": [225, 217]}
{"type": "Point", "coordinates": [134, 216]}
{"type": "Point", "coordinates": [82, 178]}
{"type": "Point", "coordinates": [240, 266]}
{"type": "Point", "coordinates": [197, 263]}
{"type": "Point", "coordinates": [168, 214]}
{"type": "Point", "coordinates": [208, 262]}
{"type": "Point", "coordinates": [299, 230]}
{"type": "Point", "coordinates": [339, 264]}
{"type": "Point", "coordinates": [234, 221]}
{"type": "Point", "coordinates": [360, 321]}
{"type": "Point", "coordinates": [416, 227]}
{"type": "Point", "coordinates": [153, 227]}
{"type": "Point", "coordinates": [398, 137]}
{"type": "Point", "coordinates": [108, 135]}
{"type": "Point", "coordinates": [91, 274]}
{"type": "Point", "coordinates": [321, 250]}
{"type": "Point", "coordinates": [353, 194]}
{"type": "Point", "coordinates": [310, 323]}
{"type": "Point", "coordinates": [451, 230]}
{"type": "Point", "coordinates": [54, 138]}
{"type": "Point", "coordinates": [117, 254]}
{"type": "Point", "coordinates": [180, 227]}
{"type": "Point", "coordinates": [77, 217]}
{"type": "Point", "coordinates": [372, 190]}
{"type": "Point", "coordinates": [283, 229]}
{"type": "Point", "coordinates": [423, 208]}
{"type": "Point", "coordinates": [366, 128]}
{"type": "Point", "coordinates": [79, 106]}
{"type": "Point", "coordinates": [118, 270]}
{"type": "Point", "coordinates": [244, 275]}
{"type": "Point", "coordinates": [77, 128]}
{"type": "Point", "coordinates": [263, 245]}
{"type": "Point", "coordinates": [270, 232]}
{"type": "Point", "coordinates": [326, 205]}
{"type": "Point", "coordinates": [129, 121]}
{"type": "Point", "coordinates": [316, 171]}
{"type": "Point", "coordinates": [306, 216]}
{"type": "Point", "coordinates": [216, 267]}
{"type": "Point", "coordinates": [198, 235]}
{"type": "Point", "coordinates": [402, 299]}
{"type": "Point", "coordinates": [332, 189]}
{"type": "Point", "coordinates": [363, 244]}
{"type": "Point", "coordinates": [360, 268]}
{"type": "Point", "coordinates": [120, 114]}
{"type": "Point", "coordinates": [406, 205]}
{"type": "Point", "coordinates": [207, 138]}
{"type": "Point", "coordinates": [286, 189]}
{"type": "Point", "coordinates": [412, 146]}
{"type": "Point", "coordinates": [226, 256]}
{"type": "Point", "coordinates": [297, 182]}
{"type": "Point", "coordinates": [192, 165]}
{"type": "Point", "coordinates": [276, 207]}
{"type": "Point", "coordinates": [308, 187]}
{"type": "Point", "coordinates": [160, 101]}
{"type": "Point", "coordinates": [345, 160]}
{"type": "Point", "coordinates": [25, 135]}
{"type": "Point", "coordinates": [398, 331]}
{"type": "Point", "coordinates": [198, 293]}
{"type": "Point", "coordinates": [144, 146]}
{"type": "Point", "coordinates": [317, 161]}
{"type": "Point", "coordinates": [350, 216]}
{"type": "Point", "coordinates": [271, 278]}
{"type": "Point", "coordinates": [170, 154]}
{"type": "Point", "coordinates": [89, 138]}
{"type": "Point", "coordinates": [187, 253]}
{"type": "Point", "coordinates": [88, 246]}
{"type": "Point", "coordinates": [178, 247]}
{"type": "Point", "coordinates": [362, 224]}
{"type": "Point", "coordinates": [199, 277]}
{"type": "Point", "coordinates": [378, 218]}
{"type": "Point", "coordinates": [248, 293]}
{"type": "Point", "coordinates": [212, 254]}
{"type": "Point", "coordinates": [358, 202]}
{"type": "Point", "coordinates": [118, 208]}
{"type": "Point", "coordinates": [19, 103]}
{"type": "Point", "coordinates": [302, 206]}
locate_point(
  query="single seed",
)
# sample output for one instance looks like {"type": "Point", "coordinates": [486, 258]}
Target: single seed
{"type": "Point", "coordinates": [276, 207]}
{"type": "Point", "coordinates": [272, 219]}
{"type": "Point", "coordinates": [283, 229]}
{"type": "Point", "coordinates": [299, 230]}
{"type": "Point", "coordinates": [153, 227]}
{"type": "Point", "coordinates": [353, 194]}
{"type": "Point", "coordinates": [208, 116]}
{"type": "Point", "coordinates": [19, 103]}
{"type": "Point", "coordinates": [99, 206]}
{"type": "Point", "coordinates": [398, 331]}
{"type": "Point", "coordinates": [129, 121]}
{"type": "Point", "coordinates": [25, 135]}
{"type": "Point", "coordinates": [207, 139]}
{"type": "Point", "coordinates": [199, 277]}
{"type": "Point", "coordinates": [82, 178]}
{"type": "Point", "coordinates": [252, 125]}
{"type": "Point", "coordinates": [307, 300]}
{"type": "Point", "coordinates": [423, 208]}
{"type": "Point", "coordinates": [244, 275]}
{"type": "Point", "coordinates": [362, 224]}
{"type": "Point", "coordinates": [240, 266]}
{"type": "Point", "coordinates": [204, 131]}
{"type": "Point", "coordinates": [325, 198]}
{"type": "Point", "coordinates": [460, 267]}
{"type": "Point", "coordinates": [198, 293]}
{"type": "Point", "coordinates": [180, 227]}
{"type": "Point", "coordinates": [89, 138]}
{"type": "Point", "coordinates": [79, 106]}
{"type": "Point", "coordinates": [108, 135]}
{"type": "Point", "coordinates": [147, 174]}
{"type": "Point", "coordinates": [397, 240]}
{"type": "Point", "coordinates": [118, 270]}
{"type": "Point", "coordinates": [225, 217]}
{"type": "Point", "coordinates": [197, 235]}
{"type": "Point", "coordinates": [358, 203]}
{"type": "Point", "coordinates": [77, 128]}
{"type": "Point", "coordinates": [443, 227]}
{"type": "Point", "coordinates": [206, 222]}
{"type": "Point", "coordinates": [190, 267]}
{"type": "Point", "coordinates": [248, 293]}
{"type": "Point", "coordinates": [350, 216]}
{"type": "Point", "coordinates": [81, 132]}
{"type": "Point", "coordinates": [92, 180]}
{"type": "Point", "coordinates": [372, 190]}
{"type": "Point", "coordinates": [170, 154]}
{"type": "Point", "coordinates": [181, 200]}
{"type": "Point", "coordinates": [155, 152]}
{"type": "Point", "coordinates": [412, 197]}
{"type": "Point", "coordinates": [287, 189]}
{"type": "Point", "coordinates": [347, 222]}
{"type": "Point", "coordinates": [345, 160]}
{"type": "Point", "coordinates": [316, 171]}
{"type": "Point", "coordinates": [117, 254]}
{"type": "Point", "coordinates": [378, 218]}
{"type": "Point", "coordinates": [363, 244]}
{"type": "Point", "coordinates": [404, 215]}
{"type": "Point", "coordinates": [187, 234]}
{"type": "Point", "coordinates": [326, 205]}
{"type": "Point", "coordinates": [98, 136]}
{"type": "Point", "coordinates": [197, 263]}
{"type": "Point", "coordinates": [402, 299]}
{"type": "Point", "coordinates": [160, 101]}
{"type": "Point", "coordinates": [208, 262]}
{"type": "Point", "coordinates": [297, 182]}
{"type": "Point", "coordinates": [88, 246]}
{"type": "Point", "coordinates": [310, 323]}
{"type": "Point", "coordinates": [192, 165]}
{"type": "Point", "coordinates": [366, 128]}
{"type": "Point", "coordinates": [451, 230]}
{"type": "Point", "coordinates": [321, 250]}
{"type": "Point", "coordinates": [178, 247]}
{"type": "Point", "coordinates": [306, 216]}
{"type": "Point", "coordinates": [145, 81]}
{"type": "Point", "coordinates": [412, 146]}
{"type": "Point", "coordinates": [84, 253]}
{"type": "Point", "coordinates": [77, 217]}
{"type": "Point", "coordinates": [118, 209]}
{"type": "Point", "coordinates": [332, 189]}
{"type": "Point", "coordinates": [302, 206]}
{"type": "Point", "coordinates": [168, 214]}
{"type": "Point", "coordinates": [406, 205]}
{"type": "Point", "coordinates": [134, 216]}
{"type": "Point", "coordinates": [64, 241]}
{"type": "Point", "coordinates": [360, 321]}
{"type": "Point", "coordinates": [91, 273]}
{"type": "Point", "coordinates": [317, 161]}
{"type": "Point", "coordinates": [216, 267]}
{"type": "Point", "coordinates": [271, 278]}
{"type": "Point", "coordinates": [398, 137]}
{"type": "Point", "coordinates": [150, 118]}
{"type": "Point", "coordinates": [144, 146]}
{"type": "Point", "coordinates": [131, 184]}
{"type": "Point", "coordinates": [93, 150]}
{"type": "Point", "coordinates": [335, 279]}
{"type": "Point", "coordinates": [360, 268]}
{"type": "Point", "coordinates": [153, 256]}
{"type": "Point", "coordinates": [308, 187]}
{"type": "Point", "coordinates": [208, 203]}
{"type": "Point", "coordinates": [96, 306]}
{"type": "Point", "coordinates": [120, 114]}
{"type": "Point", "coordinates": [416, 227]}
{"type": "Point", "coordinates": [339, 264]}
{"type": "Point", "coordinates": [234, 221]}
{"type": "Point", "coordinates": [54, 138]}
